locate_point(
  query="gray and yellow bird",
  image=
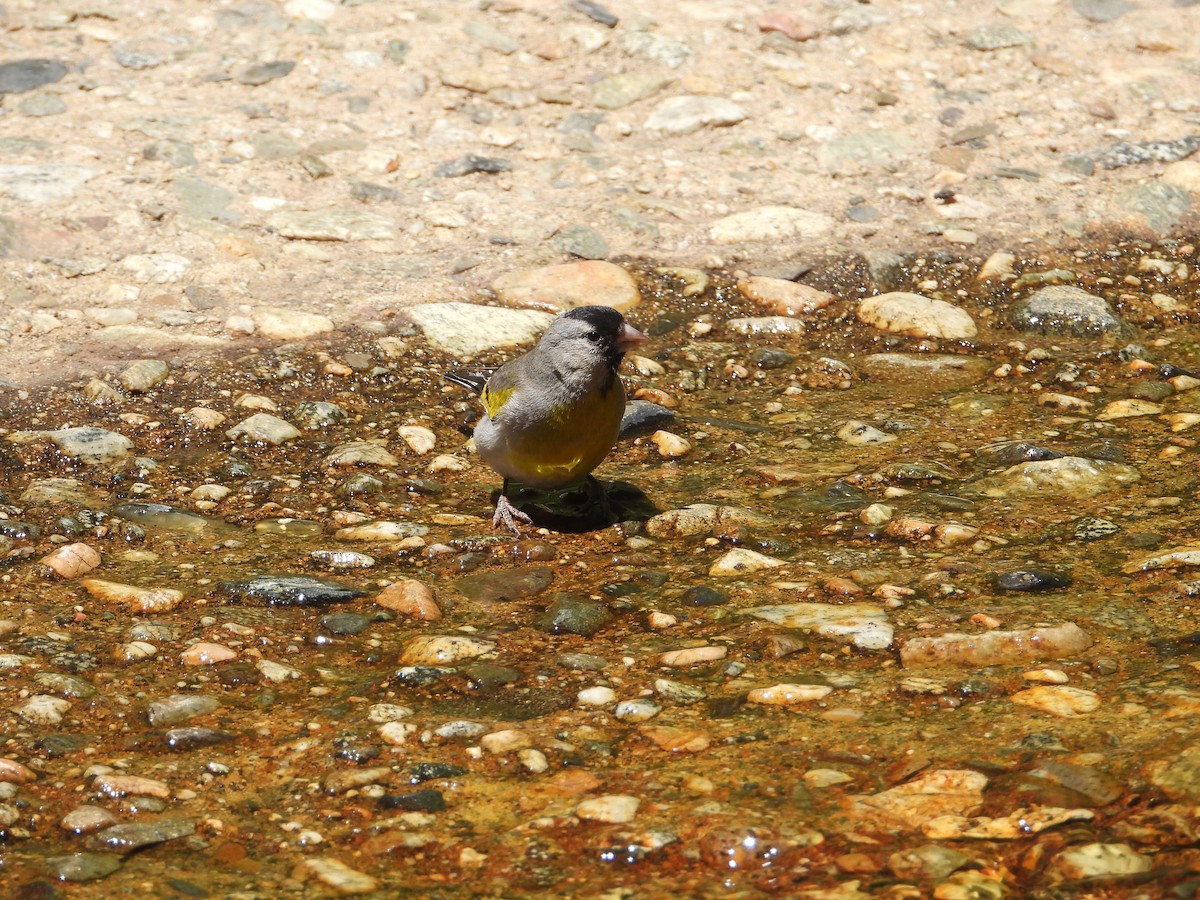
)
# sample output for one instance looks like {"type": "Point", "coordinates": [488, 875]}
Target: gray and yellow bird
{"type": "Point", "coordinates": [552, 415]}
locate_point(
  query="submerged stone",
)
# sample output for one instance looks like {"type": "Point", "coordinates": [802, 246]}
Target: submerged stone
{"type": "Point", "coordinates": [290, 590]}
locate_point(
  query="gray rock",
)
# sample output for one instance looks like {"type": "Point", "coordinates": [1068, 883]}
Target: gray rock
{"type": "Point", "coordinates": [44, 184]}
{"type": "Point", "coordinates": [90, 445]}
{"type": "Point", "coordinates": [644, 417]}
{"type": "Point", "coordinates": [595, 12]}
{"type": "Point", "coordinates": [1068, 476]}
{"type": "Point", "coordinates": [1101, 10]}
{"type": "Point", "coordinates": [504, 584]}
{"type": "Point", "coordinates": [180, 708]}
{"type": "Point", "coordinates": [313, 415]}
{"type": "Point", "coordinates": [492, 38]}
{"type": "Point", "coordinates": [997, 36]}
{"type": "Point", "coordinates": [143, 374]}
{"type": "Point", "coordinates": [875, 150]}
{"type": "Point", "coordinates": [617, 91]}
{"type": "Point", "coordinates": [1067, 310]}
{"type": "Point", "coordinates": [126, 839]}
{"type": "Point", "coordinates": [656, 48]}
{"type": "Point", "coordinates": [771, 223]}
{"type": "Point", "coordinates": [683, 115]}
{"type": "Point", "coordinates": [464, 329]}
{"type": "Point", "coordinates": [333, 225]}
{"type": "Point", "coordinates": [264, 72]}
{"type": "Point", "coordinates": [83, 866]}
{"type": "Point", "coordinates": [23, 75]}
{"type": "Point", "coordinates": [53, 491]}
{"type": "Point", "coordinates": [290, 590]}
{"type": "Point", "coordinates": [573, 614]}
{"type": "Point", "coordinates": [469, 164]}
{"type": "Point", "coordinates": [175, 153]}
{"type": "Point", "coordinates": [582, 241]}
{"type": "Point", "coordinates": [1128, 153]}
{"type": "Point", "coordinates": [137, 58]}
{"type": "Point", "coordinates": [1162, 205]}
{"type": "Point", "coordinates": [41, 105]}
{"type": "Point", "coordinates": [266, 428]}
{"type": "Point", "coordinates": [930, 862]}
{"type": "Point", "coordinates": [161, 515]}
{"type": "Point", "coordinates": [202, 200]}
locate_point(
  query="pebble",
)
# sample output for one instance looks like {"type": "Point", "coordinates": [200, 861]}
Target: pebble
{"type": "Point", "coordinates": [670, 446]}
{"type": "Point", "coordinates": [910, 314]}
{"type": "Point", "coordinates": [597, 696]}
{"type": "Point", "coordinates": [1098, 862]}
{"type": "Point", "coordinates": [1032, 580]}
{"type": "Point", "coordinates": [505, 741]}
{"type": "Point", "coordinates": [337, 875]}
{"type": "Point", "coordinates": [642, 417]}
{"type": "Point", "coordinates": [87, 819]}
{"type": "Point", "coordinates": [21, 75]}
{"type": "Point", "coordinates": [783, 298]}
{"type": "Point", "coordinates": [382, 531]}
{"type": "Point", "coordinates": [156, 268]}
{"type": "Point", "coordinates": [359, 453]}
{"type": "Point", "coordinates": [139, 600]}
{"type": "Point", "coordinates": [43, 184]}
{"type": "Point", "coordinates": [636, 710]}
{"type": "Point", "coordinates": [865, 151]}
{"type": "Point", "coordinates": [618, 91]}
{"type": "Point", "coordinates": [505, 584]}
{"type": "Point", "coordinates": [420, 439]}
{"type": "Point", "coordinates": [332, 225]}
{"type": "Point", "coordinates": [439, 650]}
{"type": "Point", "coordinates": [741, 561]}
{"type": "Point", "coordinates": [42, 709]}
{"type": "Point", "coordinates": [583, 241]}
{"type": "Point", "coordinates": [113, 785]}
{"type": "Point", "coordinates": [89, 445]}
{"type": "Point", "coordinates": [71, 560]}
{"type": "Point", "coordinates": [1065, 310]}
{"type": "Point", "coordinates": [463, 329]}
{"type": "Point", "coordinates": [180, 708]}
{"type": "Point", "coordinates": [206, 653]}
{"type": "Point", "coordinates": [290, 590]}
{"type": "Point", "coordinates": [261, 73]}
{"type": "Point", "coordinates": [282, 324]}
{"type": "Point", "coordinates": [1068, 476]}
{"type": "Point", "coordinates": [692, 656]}
{"type": "Point", "coordinates": [615, 809]}
{"type": "Point", "coordinates": [573, 614]}
{"type": "Point", "coordinates": [788, 694]}
{"type": "Point", "coordinates": [860, 434]}
{"type": "Point", "coordinates": [79, 867]}
{"type": "Point", "coordinates": [766, 325]}
{"type": "Point", "coordinates": [559, 288]}
{"type": "Point", "coordinates": [12, 772]}
{"type": "Point", "coordinates": [865, 625]}
{"type": "Point", "coordinates": [411, 598]}
{"type": "Point", "coordinates": [1059, 700]}
{"type": "Point", "coordinates": [470, 164]}
{"type": "Point", "coordinates": [688, 114]}
{"type": "Point", "coordinates": [771, 223]}
{"type": "Point", "coordinates": [941, 792]}
{"type": "Point", "coordinates": [996, 647]}
{"type": "Point", "coordinates": [997, 36]}
{"type": "Point", "coordinates": [264, 428]}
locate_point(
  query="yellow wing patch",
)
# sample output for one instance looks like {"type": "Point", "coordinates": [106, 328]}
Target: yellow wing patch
{"type": "Point", "coordinates": [493, 401]}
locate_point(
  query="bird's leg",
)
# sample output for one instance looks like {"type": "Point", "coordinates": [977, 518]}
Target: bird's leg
{"type": "Point", "coordinates": [599, 496]}
{"type": "Point", "coordinates": [507, 513]}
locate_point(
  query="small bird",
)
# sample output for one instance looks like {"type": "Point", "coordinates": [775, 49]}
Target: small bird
{"type": "Point", "coordinates": [552, 415]}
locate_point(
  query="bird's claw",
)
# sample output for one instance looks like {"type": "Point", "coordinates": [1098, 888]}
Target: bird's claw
{"type": "Point", "coordinates": [509, 515]}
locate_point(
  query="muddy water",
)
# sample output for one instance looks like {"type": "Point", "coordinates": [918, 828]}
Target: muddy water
{"type": "Point", "coordinates": [514, 718]}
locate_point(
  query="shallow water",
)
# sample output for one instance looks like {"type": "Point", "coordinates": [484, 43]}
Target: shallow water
{"type": "Point", "coordinates": [492, 778]}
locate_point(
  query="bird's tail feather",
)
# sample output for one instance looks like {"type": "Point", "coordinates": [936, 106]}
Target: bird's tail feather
{"type": "Point", "coordinates": [472, 379]}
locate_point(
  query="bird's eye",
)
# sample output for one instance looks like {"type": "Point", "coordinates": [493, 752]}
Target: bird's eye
{"type": "Point", "coordinates": [594, 337]}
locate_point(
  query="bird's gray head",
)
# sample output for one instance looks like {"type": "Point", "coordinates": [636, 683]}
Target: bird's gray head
{"type": "Point", "coordinates": [588, 331]}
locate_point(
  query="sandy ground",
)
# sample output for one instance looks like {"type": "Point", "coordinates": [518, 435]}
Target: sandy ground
{"type": "Point", "coordinates": [169, 183]}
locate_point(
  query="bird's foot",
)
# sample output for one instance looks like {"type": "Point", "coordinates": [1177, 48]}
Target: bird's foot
{"type": "Point", "coordinates": [509, 515]}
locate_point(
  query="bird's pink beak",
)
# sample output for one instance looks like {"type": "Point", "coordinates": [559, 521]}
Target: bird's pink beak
{"type": "Point", "coordinates": [628, 337]}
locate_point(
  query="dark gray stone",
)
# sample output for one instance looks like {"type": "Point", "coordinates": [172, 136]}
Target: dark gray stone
{"type": "Point", "coordinates": [23, 75]}
{"type": "Point", "coordinates": [1063, 309]}
{"type": "Point", "coordinates": [289, 590]}
{"type": "Point", "coordinates": [264, 72]}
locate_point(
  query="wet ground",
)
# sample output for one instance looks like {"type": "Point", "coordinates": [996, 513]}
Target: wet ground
{"type": "Point", "coordinates": [302, 663]}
